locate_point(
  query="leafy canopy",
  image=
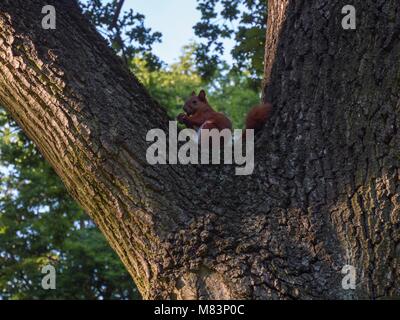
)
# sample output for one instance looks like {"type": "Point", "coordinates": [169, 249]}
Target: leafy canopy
{"type": "Point", "coordinates": [243, 21]}
{"type": "Point", "coordinates": [124, 30]}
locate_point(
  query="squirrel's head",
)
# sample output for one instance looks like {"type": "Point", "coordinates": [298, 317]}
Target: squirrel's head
{"type": "Point", "coordinates": [195, 102]}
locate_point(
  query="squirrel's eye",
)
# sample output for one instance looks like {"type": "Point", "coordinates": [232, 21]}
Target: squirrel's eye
{"type": "Point", "coordinates": [194, 101]}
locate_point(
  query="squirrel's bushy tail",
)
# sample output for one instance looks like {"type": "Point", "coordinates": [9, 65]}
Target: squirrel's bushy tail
{"type": "Point", "coordinates": [258, 116]}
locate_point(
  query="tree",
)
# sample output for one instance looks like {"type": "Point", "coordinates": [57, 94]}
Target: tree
{"type": "Point", "coordinates": [40, 224]}
{"type": "Point", "coordinates": [325, 191]}
{"type": "Point", "coordinates": [170, 84]}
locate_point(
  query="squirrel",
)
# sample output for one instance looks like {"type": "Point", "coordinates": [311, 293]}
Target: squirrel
{"type": "Point", "coordinates": [200, 115]}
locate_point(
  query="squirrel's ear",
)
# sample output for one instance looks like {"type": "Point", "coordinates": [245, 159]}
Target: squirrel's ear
{"type": "Point", "coordinates": [202, 95]}
{"type": "Point", "coordinates": [193, 93]}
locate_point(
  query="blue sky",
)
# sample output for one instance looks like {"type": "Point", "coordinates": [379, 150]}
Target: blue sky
{"type": "Point", "coordinates": [175, 20]}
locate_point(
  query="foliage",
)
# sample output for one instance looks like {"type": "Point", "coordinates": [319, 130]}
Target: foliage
{"type": "Point", "coordinates": [229, 92]}
{"type": "Point", "coordinates": [125, 30]}
{"type": "Point", "coordinates": [244, 21]}
{"type": "Point", "coordinates": [172, 84]}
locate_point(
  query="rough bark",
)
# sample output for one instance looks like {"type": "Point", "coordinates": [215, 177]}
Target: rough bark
{"type": "Point", "coordinates": [325, 191]}
{"type": "Point", "coordinates": [336, 128]}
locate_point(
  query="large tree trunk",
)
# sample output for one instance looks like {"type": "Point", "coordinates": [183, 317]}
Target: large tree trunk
{"type": "Point", "coordinates": [325, 191]}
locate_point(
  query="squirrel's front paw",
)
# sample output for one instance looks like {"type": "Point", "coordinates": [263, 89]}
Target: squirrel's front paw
{"type": "Point", "coordinates": [181, 117]}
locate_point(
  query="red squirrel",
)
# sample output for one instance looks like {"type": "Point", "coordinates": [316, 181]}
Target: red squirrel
{"type": "Point", "coordinates": [200, 115]}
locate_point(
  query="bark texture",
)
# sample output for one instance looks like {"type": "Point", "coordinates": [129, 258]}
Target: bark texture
{"type": "Point", "coordinates": [325, 191]}
{"type": "Point", "coordinates": [336, 131]}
